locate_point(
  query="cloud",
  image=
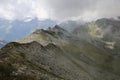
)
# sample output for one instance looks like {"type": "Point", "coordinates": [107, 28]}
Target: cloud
{"type": "Point", "coordinates": [85, 9]}
{"type": "Point", "coordinates": [59, 9]}
{"type": "Point", "coordinates": [20, 9]}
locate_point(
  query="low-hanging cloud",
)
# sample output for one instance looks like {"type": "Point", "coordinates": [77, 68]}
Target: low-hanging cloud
{"type": "Point", "coordinates": [59, 9]}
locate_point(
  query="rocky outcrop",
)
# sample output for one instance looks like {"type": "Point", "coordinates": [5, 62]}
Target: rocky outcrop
{"type": "Point", "coordinates": [78, 61]}
{"type": "Point", "coordinates": [55, 54]}
{"type": "Point", "coordinates": [39, 62]}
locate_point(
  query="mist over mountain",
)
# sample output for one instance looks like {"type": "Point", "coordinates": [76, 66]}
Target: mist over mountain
{"type": "Point", "coordinates": [70, 25]}
{"type": "Point", "coordinates": [103, 32]}
{"type": "Point", "coordinates": [59, 39]}
{"type": "Point", "coordinates": [90, 51]}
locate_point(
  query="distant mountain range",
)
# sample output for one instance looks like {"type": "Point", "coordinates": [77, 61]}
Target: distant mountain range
{"type": "Point", "coordinates": [17, 29]}
{"type": "Point", "coordinates": [88, 52]}
{"type": "Point", "coordinates": [2, 43]}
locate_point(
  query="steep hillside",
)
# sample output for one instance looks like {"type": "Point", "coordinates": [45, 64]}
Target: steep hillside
{"type": "Point", "coordinates": [104, 33]}
{"type": "Point", "coordinates": [78, 61]}
{"type": "Point", "coordinates": [55, 54]}
{"type": "Point", "coordinates": [39, 62]}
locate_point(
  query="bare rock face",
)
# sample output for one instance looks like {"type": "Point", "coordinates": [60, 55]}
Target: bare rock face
{"type": "Point", "coordinates": [39, 62]}
{"type": "Point", "coordinates": [55, 54]}
{"type": "Point", "coordinates": [78, 61]}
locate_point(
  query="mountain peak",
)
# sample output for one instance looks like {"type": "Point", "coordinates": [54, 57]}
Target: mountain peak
{"type": "Point", "coordinates": [38, 31]}
{"type": "Point", "coordinates": [57, 27]}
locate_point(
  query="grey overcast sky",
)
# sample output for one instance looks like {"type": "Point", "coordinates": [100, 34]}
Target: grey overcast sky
{"type": "Point", "coordinates": [59, 9]}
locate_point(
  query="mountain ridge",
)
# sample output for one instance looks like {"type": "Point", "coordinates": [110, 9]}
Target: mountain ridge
{"type": "Point", "coordinates": [55, 54]}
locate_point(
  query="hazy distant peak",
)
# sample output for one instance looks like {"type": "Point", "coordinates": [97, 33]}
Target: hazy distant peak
{"type": "Point", "coordinates": [38, 31]}
{"type": "Point", "coordinates": [2, 43]}
{"type": "Point", "coordinates": [57, 27]}
{"type": "Point", "coordinates": [50, 30]}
